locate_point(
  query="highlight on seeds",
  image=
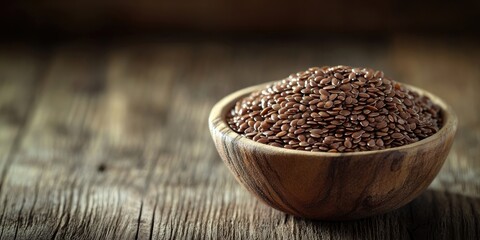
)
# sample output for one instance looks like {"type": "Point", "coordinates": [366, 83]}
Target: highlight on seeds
{"type": "Point", "coordinates": [335, 109]}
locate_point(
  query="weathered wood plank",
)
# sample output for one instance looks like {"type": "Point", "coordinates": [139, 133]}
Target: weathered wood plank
{"type": "Point", "coordinates": [117, 143]}
{"type": "Point", "coordinates": [20, 79]}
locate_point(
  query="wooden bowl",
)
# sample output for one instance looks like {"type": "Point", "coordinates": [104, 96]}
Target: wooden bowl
{"type": "Point", "coordinates": [331, 186]}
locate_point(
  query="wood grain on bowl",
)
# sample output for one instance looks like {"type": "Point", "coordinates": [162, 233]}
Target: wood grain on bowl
{"type": "Point", "coordinates": [332, 186]}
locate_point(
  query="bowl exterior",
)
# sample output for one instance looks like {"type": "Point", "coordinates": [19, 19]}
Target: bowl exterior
{"type": "Point", "coordinates": [333, 187]}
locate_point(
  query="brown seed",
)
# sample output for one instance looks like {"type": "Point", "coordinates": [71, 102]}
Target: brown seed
{"type": "Point", "coordinates": [378, 74]}
{"type": "Point", "coordinates": [328, 140]}
{"type": "Point", "coordinates": [275, 144]}
{"type": "Point", "coordinates": [314, 135]}
{"type": "Point", "coordinates": [281, 134]}
{"type": "Point", "coordinates": [352, 76]}
{"type": "Point", "coordinates": [344, 112]}
{"type": "Point", "coordinates": [265, 111]}
{"type": "Point", "coordinates": [303, 144]}
{"type": "Point", "coordinates": [323, 114]}
{"type": "Point", "coordinates": [335, 81]}
{"type": "Point", "coordinates": [338, 75]}
{"type": "Point", "coordinates": [396, 100]}
{"type": "Point", "coordinates": [324, 92]}
{"type": "Point", "coordinates": [379, 105]}
{"type": "Point", "coordinates": [349, 100]}
{"type": "Point", "coordinates": [276, 107]}
{"type": "Point", "coordinates": [364, 123]}
{"type": "Point", "coordinates": [325, 81]}
{"type": "Point", "coordinates": [251, 134]}
{"type": "Point", "coordinates": [404, 115]}
{"type": "Point", "coordinates": [390, 118]}
{"type": "Point", "coordinates": [268, 133]}
{"type": "Point", "coordinates": [398, 136]}
{"type": "Point", "coordinates": [328, 104]}
{"type": "Point", "coordinates": [407, 102]}
{"type": "Point", "coordinates": [363, 95]}
{"type": "Point", "coordinates": [301, 138]}
{"type": "Point", "coordinates": [346, 87]}
{"type": "Point", "coordinates": [314, 101]}
{"type": "Point", "coordinates": [381, 124]}
{"type": "Point", "coordinates": [356, 135]}
{"type": "Point", "coordinates": [347, 143]}
{"type": "Point", "coordinates": [298, 131]}
{"type": "Point", "coordinates": [262, 140]}
{"type": "Point", "coordinates": [371, 143]}
{"type": "Point", "coordinates": [335, 146]}
{"type": "Point", "coordinates": [369, 75]}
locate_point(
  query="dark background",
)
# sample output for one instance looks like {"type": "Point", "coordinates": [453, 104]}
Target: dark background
{"type": "Point", "coordinates": [56, 18]}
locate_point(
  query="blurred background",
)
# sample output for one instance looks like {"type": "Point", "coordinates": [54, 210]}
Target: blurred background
{"type": "Point", "coordinates": [248, 42]}
{"type": "Point", "coordinates": [105, 103]}
{"type": "Point", "coordinates": [306, 17]}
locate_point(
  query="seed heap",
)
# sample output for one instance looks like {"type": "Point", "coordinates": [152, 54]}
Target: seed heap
{"type": "Point", "coordinates": [335, 109]}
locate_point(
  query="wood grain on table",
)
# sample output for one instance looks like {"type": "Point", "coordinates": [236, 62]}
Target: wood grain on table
{"type": "Point", "coordinates": [111, 141]}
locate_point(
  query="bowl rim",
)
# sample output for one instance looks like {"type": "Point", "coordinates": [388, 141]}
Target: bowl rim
{"type": "Point", "coordinates": [220, 109]}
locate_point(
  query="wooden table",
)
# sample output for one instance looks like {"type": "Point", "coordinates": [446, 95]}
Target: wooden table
{"type": "Point", "coordinates": [109, 140]}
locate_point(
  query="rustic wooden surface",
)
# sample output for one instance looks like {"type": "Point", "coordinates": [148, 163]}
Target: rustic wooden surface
{"type": "Point", "coordinates": [110, 140]}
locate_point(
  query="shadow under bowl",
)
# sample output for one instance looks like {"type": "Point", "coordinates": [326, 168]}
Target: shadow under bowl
{"type": "Point", "coordinates": [332, 186]}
